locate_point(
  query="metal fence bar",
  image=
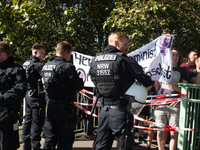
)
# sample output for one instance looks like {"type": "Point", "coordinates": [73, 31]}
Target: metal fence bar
{"type": "Point", "coordinates": [189, 117]}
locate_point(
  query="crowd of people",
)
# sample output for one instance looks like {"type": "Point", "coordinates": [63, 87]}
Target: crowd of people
{"type": "Point", "coordinates": [50, 89]}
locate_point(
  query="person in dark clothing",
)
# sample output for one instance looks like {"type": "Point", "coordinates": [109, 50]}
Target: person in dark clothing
{"type": "Point", "coordinates": [112, 73]}
{"type": "Point", "coordinates": [61, 83]}
{"type": "Point", "coordinates": [87, 120]}
{"type": "Point", "coordinates": [12, 91]}
{"type": "Point", "coordinates": [35, 104]}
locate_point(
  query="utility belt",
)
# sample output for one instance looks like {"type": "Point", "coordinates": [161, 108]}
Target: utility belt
{"type": "Point", "coordinates": [116, 101]}
{"type": "Point", "coordinates": [120, 108]}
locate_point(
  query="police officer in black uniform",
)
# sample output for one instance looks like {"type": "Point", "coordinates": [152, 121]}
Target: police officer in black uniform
{"type": "Point", "coordinates": [12, 91]}
{"type": "Point", "coordinates": [113, 73]}
{"type": "Point", "coordinates": [61, 82]}
{"type": "Point", "coordinates": [35, 99]}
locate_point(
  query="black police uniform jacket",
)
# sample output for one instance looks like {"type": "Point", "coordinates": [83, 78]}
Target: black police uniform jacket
{"type": "Point", "coordinates": [33, 68]}
{"type": "Point", "coordinates": [12, 85]}
{"type": "Point", "coordinates": [113, 73]}
{"type": "Point", "coordinates": [60, 79]}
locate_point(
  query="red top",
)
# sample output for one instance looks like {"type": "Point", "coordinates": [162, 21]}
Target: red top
{"type": "Point", "coordinates": [187, 67]}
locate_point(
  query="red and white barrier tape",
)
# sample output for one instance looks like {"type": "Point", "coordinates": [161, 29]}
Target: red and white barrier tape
{"type": "Point", "coordinates": [162, 125]}
{"type": "Point", "coordinates": [86, 111]}
{"type": "Point", "coordinates": [167, 95]}
{"type": "Point", "coordinates": [84, 104]}
{"type": "Point", "coordinates": [159, 100]}
{"type": "Point", "coordinates": [166, 101]}
{"type": "Point", "coordinates": [88, 92]}
{"type": "Point", "coordinates": [86, 95]}
{"type": "Point", "coordinates": [155, 129]}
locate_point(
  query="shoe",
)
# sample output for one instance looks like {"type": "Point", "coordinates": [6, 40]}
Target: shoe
{"type": "Point", "coordinates": [84, 135]}
{"type": "Point", "coordinates": [89, 137]}
{"type": "Point", "coordinates": [141, 141]}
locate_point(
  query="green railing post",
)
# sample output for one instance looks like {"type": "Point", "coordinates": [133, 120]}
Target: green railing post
{"type": "Point", "coordinates": [189, 117]}
{"type": "Point", "coordinates": [182, 119]}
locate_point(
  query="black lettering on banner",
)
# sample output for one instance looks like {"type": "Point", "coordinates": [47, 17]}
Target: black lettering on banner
{"type": "Point", "coordinates": [83, 74]}
{"type": "Point", "coordinates": [78, 58]}
{"type": "Point", "coordinates": [145, 55]}
{"type": "Point", "coordinates": [83, 60]}
{"type": "Point", "coordinates": [166, 73]}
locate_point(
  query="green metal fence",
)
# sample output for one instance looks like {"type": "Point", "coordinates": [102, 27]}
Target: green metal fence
{"type": "Point", "coordinates": [189, 118]}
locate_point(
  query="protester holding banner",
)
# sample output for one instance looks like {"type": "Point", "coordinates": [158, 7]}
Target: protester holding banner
{"type": "Point", "coordinates": [112, 73]}
{"type": "Point", "coordinates": [161, 112]}
{"type": "Point", "coordinates": [190, 65]}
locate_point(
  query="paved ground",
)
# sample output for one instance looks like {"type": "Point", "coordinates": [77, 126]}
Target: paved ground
{"type": "Point", "coordinates": [81, 144]}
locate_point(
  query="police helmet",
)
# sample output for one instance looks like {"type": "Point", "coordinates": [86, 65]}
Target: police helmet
{"type": "Point", "coordinates": [136, 96]}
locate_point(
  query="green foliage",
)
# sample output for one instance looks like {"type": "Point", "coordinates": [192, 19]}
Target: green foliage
{"type": "Point", "coordinates": [49, 22]}
{"type": "Point", "coordinates": [86, 24]}
{"type": "Point", "coordinates": [145, 20]}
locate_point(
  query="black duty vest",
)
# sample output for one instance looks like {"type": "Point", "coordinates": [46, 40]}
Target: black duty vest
{"type": "Point", "coordinates": [32, 74]}
{"type": "Point", "coordinates": [50, 79]}
{"type": "Point", "coordinates": [107, 74]}
{"type": "Point", "coordinates": [7, 79]}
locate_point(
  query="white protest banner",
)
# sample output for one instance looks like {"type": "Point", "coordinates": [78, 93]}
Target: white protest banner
{"type": "Point", "coordinates": [82, 63]}
{"type": "Point", "coordinates": [156, 58]}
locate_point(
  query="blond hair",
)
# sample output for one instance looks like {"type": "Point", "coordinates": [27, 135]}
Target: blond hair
{"type": "Point", "coordinates": [117, 36]}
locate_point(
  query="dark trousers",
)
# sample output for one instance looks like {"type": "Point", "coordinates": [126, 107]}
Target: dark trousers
{"type": "Point", "coordinates": [33, 124]}
{"type": "Point", "coordinates": [58, 127]}
{"type": "Point", "coordinates": [9, 134]}
{"type": "Point", "coordinates": [112, 123]}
